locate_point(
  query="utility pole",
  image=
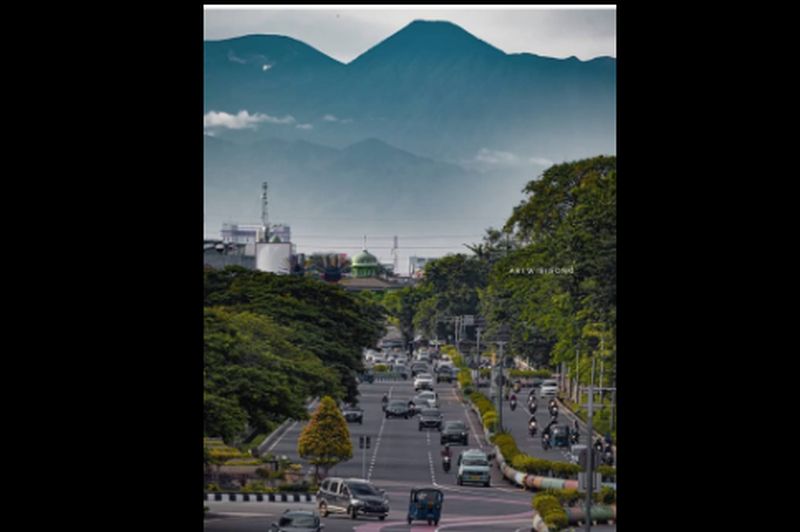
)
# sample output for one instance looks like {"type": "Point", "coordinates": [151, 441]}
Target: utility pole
{"type": "Point", "coordinates": [264, 214]}
{"type": "Point", "coordinates": [590, 457]}
{"type": "Point", "coordinates": [500, 386]}
{"type": "Point", "coordinates": [478, 331]}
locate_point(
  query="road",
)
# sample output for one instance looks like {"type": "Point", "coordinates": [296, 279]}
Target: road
{"type": "Point", "coordinates": [400, 458]}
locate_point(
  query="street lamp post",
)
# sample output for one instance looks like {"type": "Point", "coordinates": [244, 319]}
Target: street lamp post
{"type": "Point", "coordinates": [590, 457]}
{"type": "Point", "coordinates": [500, 386]}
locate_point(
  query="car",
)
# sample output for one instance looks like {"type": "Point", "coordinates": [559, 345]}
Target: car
{"type": "Point", "coordinates": [444, 373]}
{"type": "Point", "coordinates": [401, 370]}
{"type": "Point", "coordinates": [351, 496]}
{"type": "Point", "coordinates": [398, 409]}
{"type": "Point", "coordinates": [549, 388]}
{"type": "Point", "coordinates": [454, 432]}
{"type": "Point", "coordinates": [430, 418]}
{"type": "Point", "coordinates": [297, 521]}
{"type": "Point", "coordinates": [427, 398]}
{"type": "Point", "coordinates": [473, 466]}
{"type": "Point", "coordinates": [418, 367]}
{"type": "Point", "coordinates": [353, 414]}
{"type": "Point", "coordinates": [423, 381]}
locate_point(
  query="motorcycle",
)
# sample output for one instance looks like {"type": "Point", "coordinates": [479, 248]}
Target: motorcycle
{"type": "Point", "coordinates": [573, 438]}
{"type": "Point", "coordinates": [532, 408]}
{"type": "Point", "coordinates": [446, 463]}
{"type": "Point", "coordinates": [532, 428]}
{"type": "Point", "coordinates": [598, 446]}
{"type": "Point", "coordinates": [546, 441]}
{"type": "Point", "coordinates": [554, 413]}
{"type": "Point", "coordinates": [513, 404]}
{"type": "Point", "coordinates": [608, 457]}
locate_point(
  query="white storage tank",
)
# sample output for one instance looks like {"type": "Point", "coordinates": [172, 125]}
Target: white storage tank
{"type": "Point", "coordinates": [273, 257]}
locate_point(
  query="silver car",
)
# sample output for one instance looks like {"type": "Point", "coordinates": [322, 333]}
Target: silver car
{"type": "Point", "coordinates": [549, 388]}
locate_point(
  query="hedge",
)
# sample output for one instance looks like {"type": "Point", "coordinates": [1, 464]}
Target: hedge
{"type": "Point", "coordinates": [508, 447]}
{"type": "Point", "coordinates": [551, 511]}
{"type": "Point", "coordinates": [544, 468]}
{"type": "Point", "coordinates": [380, 368]}
{"type": "Point", "coordinates": [464, 378]}
{"type": "Point", "coordinates": [530, 373]}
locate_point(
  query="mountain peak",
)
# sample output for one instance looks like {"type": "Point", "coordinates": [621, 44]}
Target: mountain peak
{"type": "Point", "coordinates": [428, 39]}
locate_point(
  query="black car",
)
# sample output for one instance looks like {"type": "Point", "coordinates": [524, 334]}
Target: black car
{"type": "Point", "coordinates": [454, 432]}
{"type": "Point", "coordinates": [297, 521]}
{"type": "Point", "coordinates": [444, 373]}
{"type": "Point", "coordinates": [418, 367]}
{"type": "Point", "coordinates": [353, 414]}
{"type": "Point", "coordinates": [430, 418]}
{"type": "Point", "coordinates": [398, 409]}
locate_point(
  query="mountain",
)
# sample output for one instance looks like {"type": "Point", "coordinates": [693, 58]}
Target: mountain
{"type": "Point", "coordinates": [431, 119]}
{"type": "Point", "coordinates": [264, 73]}
{"type": "Point", "coordinates": [431, 88]}
{"type": "Point", "coordinates": [370, 177]}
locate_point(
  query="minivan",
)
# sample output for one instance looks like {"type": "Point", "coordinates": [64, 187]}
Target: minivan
{"type": "Point", "coordinates": [351, 496]}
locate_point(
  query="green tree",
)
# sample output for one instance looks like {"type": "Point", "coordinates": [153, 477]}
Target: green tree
{"type": "Point", "coordinates": [320, 318]}
{"type": "Point", "coordinates": [449, 288]}
{"type": "Point", "coordinates": [567, 221]}
{"type": "Point", "coordinates": [223, 418]}
{"type": "Point", "coordinates": [325, 440]}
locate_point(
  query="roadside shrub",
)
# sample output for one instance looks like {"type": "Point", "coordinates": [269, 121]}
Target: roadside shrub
{"type": "Point", "coordinates": [301, 487]}
{"type": "Point", "coordinates": [566, 497]}
{"type": "Point", "coordinates": [254, 486]}
{"type": "Point", "coordinates": [508, 447]}
{"type": "Point", "coordinates": [556, 520]}
{"type": "Point", "coordinates": [609, 473]}
{"type": "Point", "coordinates": [212, 486]}
{"type": "Point", "coordinates": [549, 507]}
{"type": "Point", "coordinates": [565, 470]}
{"type": "Point", "coordinates": [380, 368]}
{"type": "Point", "coordinates": [607, 495]}
{"type": "Point", "coordinates": [489, 419]}
{"type": "Point", "coordinates": [468, 389]}
{"type": "Point", "coordinates": [464, 378]}
{"type": "Point", "coordinates": [544, 503]}
{"type": "Point", "coordinates": [532, 465]}
{"type": "Point", "coordinates": [243, 461]}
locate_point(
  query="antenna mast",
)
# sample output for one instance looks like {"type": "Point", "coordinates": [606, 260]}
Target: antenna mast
{"type": "Point", "coordinates": [264, 217]}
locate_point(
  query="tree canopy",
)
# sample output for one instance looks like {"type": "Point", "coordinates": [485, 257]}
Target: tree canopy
{"type": "Point", "coordinates": [325, 440]}
{"type": "Point", "coordinates": [271, 342]}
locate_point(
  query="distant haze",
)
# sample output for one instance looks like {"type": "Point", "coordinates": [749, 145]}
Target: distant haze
{"type": "Point", "coordinates": [344, 34]}
{"type": "Point", "coordinates": [421, 124]}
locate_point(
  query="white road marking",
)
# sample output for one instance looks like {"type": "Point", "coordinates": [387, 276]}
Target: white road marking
{"type": "Point", "coordinates": [377, 442]}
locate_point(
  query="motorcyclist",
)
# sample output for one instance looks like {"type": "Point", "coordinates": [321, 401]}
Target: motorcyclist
{"type": "Point", "coordinates": [546, 438]}
{"type": "Point", "coordinates": [608, 455]}
{"type": "Point", "coordinates": [532, 425]}
{"type": "Point", "coordinates": [412, 406]}
{"type": "Point", "coordinates": [385, 400]}
{"type": "Point", "coordinates": [446, 451]}
{"type": "Point", "coordinates": [598, 444]}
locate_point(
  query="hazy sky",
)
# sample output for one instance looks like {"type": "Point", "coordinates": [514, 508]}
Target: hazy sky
{"type": "Point", "coordinates": [345, 32]}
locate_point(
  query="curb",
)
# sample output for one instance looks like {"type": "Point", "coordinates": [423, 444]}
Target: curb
{"type": "Point", "coordinates": [278, 432]}
{"type": "Point", "coordinates": [260, 497]}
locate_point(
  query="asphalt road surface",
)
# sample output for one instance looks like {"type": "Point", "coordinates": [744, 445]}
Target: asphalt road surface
{"type": "Point", "coordinates": [401, 457]}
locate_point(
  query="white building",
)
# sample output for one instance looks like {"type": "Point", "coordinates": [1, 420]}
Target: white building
{"type": "Point", "coordinates": [416, 265]}
{"type": "Point", "coordinates": [251, 234]}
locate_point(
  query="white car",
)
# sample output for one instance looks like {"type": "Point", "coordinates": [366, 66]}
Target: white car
{"type": "Point", "coordinates": [423, 381]}
{"type": "Point", "coordinates": [549, 388]}
{"type": "Point", "coordinates": [473, 466]}
{"type": "Point", "coordinates": [427, 398]}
